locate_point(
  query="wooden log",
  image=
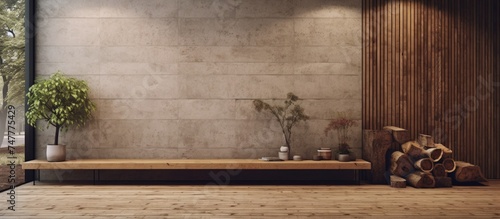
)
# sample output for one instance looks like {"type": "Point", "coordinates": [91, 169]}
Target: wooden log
{"type": "Point", "coordinates": [447, 153]}
{"type": "Point", "coordinates": [443, 182]}
{"type": "Point", "coordinates": [439, 170]}
{"type": "Point", "coordinates": [413, 149]}
{"type": "Point", "coordinates": [375, 146]}
{"type": "Point", "coordinates": [425, 140]}
{"type": "Point", "coordinates": [399, 135]}
{"type": "Point", "coordinates": [424, 164]}
{"type": "Point", "coordinates": [419, 179]}
{"type": "Point", "coordinates": [449, 165]}
{"type": "Point", "coordinates": [467, 172]}
{"type": "Point", "coordinates": [398, 182]}
{"type": "Point", "coordinates": [401, 165]}
{"type": "Point", "coordinates": [434, 153]}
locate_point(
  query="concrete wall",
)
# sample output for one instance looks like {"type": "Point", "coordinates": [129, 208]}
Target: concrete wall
{"type": "Point", "coordinates": [176, 78]}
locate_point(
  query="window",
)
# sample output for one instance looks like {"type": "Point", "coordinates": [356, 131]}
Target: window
{"type": "Point", "coordinates": [12, 92]}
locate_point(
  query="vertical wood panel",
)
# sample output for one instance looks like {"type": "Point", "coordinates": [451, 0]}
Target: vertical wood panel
{"type": "Point", "coordinates": [432, 66]}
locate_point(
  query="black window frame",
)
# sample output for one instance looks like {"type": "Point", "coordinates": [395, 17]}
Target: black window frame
{"type": "Point", "coordinates": [30, 33]}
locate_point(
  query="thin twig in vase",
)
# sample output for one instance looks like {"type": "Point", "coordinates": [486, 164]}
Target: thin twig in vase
{"type": "Point", "coordinates": [287, 117]}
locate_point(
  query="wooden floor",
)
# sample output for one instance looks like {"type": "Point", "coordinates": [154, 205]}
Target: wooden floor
{"type": "Point", "coordinates": [277, 201]}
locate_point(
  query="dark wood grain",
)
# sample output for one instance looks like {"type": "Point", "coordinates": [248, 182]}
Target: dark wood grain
{"type": "Point", "coordinates": [430, 66]}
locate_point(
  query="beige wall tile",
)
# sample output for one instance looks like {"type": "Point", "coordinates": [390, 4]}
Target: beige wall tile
{"type": "Point", "coordinates": [66, 31]}
{"type": "Point", "coordinates": [139, 86]}
{"type": "Point", "coordinates": [137, 153]}
{"type": "Point", "coordinates": [231, 86]}
{"type": "Point", "coordinates": [210, 68]}
{"type": "Point", "coordinates": [233, 32]}
{"type": "Point", "coordinates": [138, 8]}
{"type": "Point", "coordinates": [258, 68]}
{"type": "Point", "coordinates": [328, 8]}
{"type": "Point", "coordinates": [207, 134]}
{"type": "Point", "coordinates": [112, 68]}
{"type": "Point", "coordinates": [328, 109]}
{"type": "Point", "coordinates": [208, 8]}
{"type": "Point", "coordinates": [328, 54]}
{"type": "Point", "coordinates": [46, 68]}
{"type": "Point", "coordinates": [269, 86]}
{"type": "Point", "coordinates": [138, 109]}
{"type": "Point", "coordinates": [165, 54]}
{"type": "Point", "coordinates": [259, 134]}
{"type": "Point", "coordinates": [205, 153]}
{"type": "Point", "coordinates": [67, 54]}
{"type": "Point", "coordinates": [328, 32]}
{"type": "Point", "coordinates": [327, 68]}
{"type": "Point", "coordinates": [265, 8]}
{"type": "Point", "coordinates": [67, 8]}
{"type": "Point", "coordinates": [139, 31]}
{"type": "Point", "coordinates": [140, 134]}
{"type": "Point", "coordinates": [126, 54]}
{"type": "Point", "coordinates": [206, 86]}
{"type": "Point", "coordinates": [262, 86]}
{"type": "Point", "coordinates": [254, 153]}
{"type": "Point", "coordinates": [139, 54]}
{"type": "Point", "coordinates": [327, 86]}
{"type": "Point", "coordinates": [238, 54]}
{"type": "Point", "coordinates": [208, 109]}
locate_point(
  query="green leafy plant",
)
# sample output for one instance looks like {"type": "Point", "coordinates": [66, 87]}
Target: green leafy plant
{"type": "Point", "coordinates": [61, 101]}
{"type": "Point", "coordinates": [287, 115]}
{"type": "Point", "coordinates": [341, 125]}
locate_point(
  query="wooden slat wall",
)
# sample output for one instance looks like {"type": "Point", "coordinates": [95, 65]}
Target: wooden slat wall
{"type": "Point", "coordinates": [432, 66]}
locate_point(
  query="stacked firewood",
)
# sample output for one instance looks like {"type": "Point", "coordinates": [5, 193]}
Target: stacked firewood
{"type": "Point", "coordinates": [422, 163]}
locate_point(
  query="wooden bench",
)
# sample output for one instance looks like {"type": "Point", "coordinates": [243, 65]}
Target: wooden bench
{"type": "Point", "coordinates": [192, 164]}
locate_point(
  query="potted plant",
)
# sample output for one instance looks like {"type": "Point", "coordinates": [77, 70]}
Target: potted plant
{"type": "Point", "coordinates": [62, 102]}
{"type": "Point", "coordinates": [341, 125]}
{"type": "Point", "coordinates": [287, 115]}
{"type": "Point", "coordinates": [344, 153]}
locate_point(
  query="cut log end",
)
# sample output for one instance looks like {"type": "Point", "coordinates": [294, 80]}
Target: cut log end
{"type": "Point", "coordinates": [413, 149]}
{"type": "Point", "coordinates": [467, 172]}
{"type": "Point", "coordinates": [420, 179]}
{"type": "Point", "coordinates": [439, 170]}
{"type": "Point", "coordinates": [400, 135]}
{"type": "Point", "coordinates": [425, 165]}
{"type": "Point", "coordinates": [376, 144]}
{"type": "Point", "coordinates": [394, 128]}
{"type": "Point", "coordinates": [449, 165]}
{"type": "Point", "coordinates": [444, 148]}
{"type": "Point", "coordinates": [401, 164]}
{"type": "Point", "coordinates": [428, 181]}
{"type": "Point", "coordinates": [447, 153]}
{"type": "Point", "coordinates": [425, 140]}
{"type": "Point", "coordinates": [398, 182]}
{"type": "Point", "coordinates": [434, 153]}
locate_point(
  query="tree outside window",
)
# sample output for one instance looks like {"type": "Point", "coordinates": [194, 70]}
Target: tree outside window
{"type": "Point", "coordinates": [12, 83]}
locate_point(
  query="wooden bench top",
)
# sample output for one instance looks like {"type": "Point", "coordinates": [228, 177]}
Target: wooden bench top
{"type": "Point", "coordinates": [199, 164]}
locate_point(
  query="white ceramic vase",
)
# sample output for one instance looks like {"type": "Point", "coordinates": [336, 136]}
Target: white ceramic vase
{"type": "Point", "coordinates": [283, 155]}
{"type": "Point", "coordinates": [56, 152]}
{"type": "Point", "coordinates": [284, 148]}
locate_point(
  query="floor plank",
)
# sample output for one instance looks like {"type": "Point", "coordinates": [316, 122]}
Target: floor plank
{"type": "Point", "coordinates": [46, 200]}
